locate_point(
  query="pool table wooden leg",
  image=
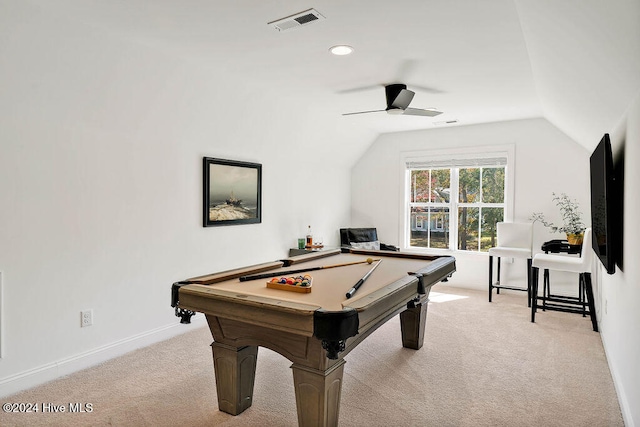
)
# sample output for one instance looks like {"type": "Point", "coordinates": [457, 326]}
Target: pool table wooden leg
{"type": "Point", "coordinates": [318, 394]}
{"type": "Point", "coordinates": [412, 324]}
{"type": "Point", "coordinates": [235, 370]}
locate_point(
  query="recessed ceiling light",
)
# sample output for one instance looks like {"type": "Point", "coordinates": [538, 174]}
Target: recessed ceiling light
{"type": "Point", "coordinates": [341, 49]}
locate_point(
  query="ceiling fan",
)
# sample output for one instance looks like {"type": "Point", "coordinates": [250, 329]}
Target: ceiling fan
{"type": "Point", "coordinates": [398, 100]}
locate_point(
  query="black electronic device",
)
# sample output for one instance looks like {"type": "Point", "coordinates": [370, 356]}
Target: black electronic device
{"type": "Point", "coordinates": [604, 205]}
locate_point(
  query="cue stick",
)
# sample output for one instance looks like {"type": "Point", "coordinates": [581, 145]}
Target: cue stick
{"type": "Point", "coordinates": [361, 281]}
{"type": "Point", "coordinates": [301, 270]}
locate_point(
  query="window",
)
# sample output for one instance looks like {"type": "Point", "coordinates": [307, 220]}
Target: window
{"type": "Point", "coordinates": [455, 202]}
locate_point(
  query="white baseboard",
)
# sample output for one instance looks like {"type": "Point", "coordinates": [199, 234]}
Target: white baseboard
{"type": "Point", "coordinates": [45, 373]}
{"type": "Point", "coordinates": [627, 417]}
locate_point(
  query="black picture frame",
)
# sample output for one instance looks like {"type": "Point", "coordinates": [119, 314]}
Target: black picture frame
{"type": "Point", "coordinates": [232, 192]}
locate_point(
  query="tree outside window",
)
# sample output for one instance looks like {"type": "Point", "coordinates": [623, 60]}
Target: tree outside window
{"type": "Point", "coordinates": [478, 199]}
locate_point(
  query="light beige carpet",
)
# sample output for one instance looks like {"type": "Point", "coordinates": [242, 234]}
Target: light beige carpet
{"type": "Point", "coordinates": [483, 364]}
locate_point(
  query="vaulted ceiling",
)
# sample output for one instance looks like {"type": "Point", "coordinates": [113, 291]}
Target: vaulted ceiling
{"type": "Point", "coordinates": [574, 62]}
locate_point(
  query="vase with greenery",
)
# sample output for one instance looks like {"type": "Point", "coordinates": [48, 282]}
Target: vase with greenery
{"type": "Point", "coordinates": [572, 226]}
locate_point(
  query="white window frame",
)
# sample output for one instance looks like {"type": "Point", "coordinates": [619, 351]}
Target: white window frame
{"type": "Point", "coordinates": [442, 157]}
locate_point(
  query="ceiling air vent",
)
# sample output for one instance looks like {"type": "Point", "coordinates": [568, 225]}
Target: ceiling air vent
{"type": "Point", "coordinates": [298, 20]}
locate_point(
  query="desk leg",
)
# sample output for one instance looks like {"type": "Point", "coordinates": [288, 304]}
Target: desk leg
{"type": "Point", "coordinates": [490, 277]}
{"type": "Point", "coordinates": [586, 277]}
{"type": "Point", "coordinates": [535, 271]}
{"type": "Point", "coordinates": [581, 295]}
{"type": "Point", "coordinates": [235, 370]}
{"type": "Point", "coordinates": [529, 263]}
{"type": "Point", "coordinates": [318, 394]}
{"type": "Point", "coordinates": [498, 282]}
{"type": "Point", "coordinates": [412, 324]}
{"type": "Point", "coordinates": [546, 288]}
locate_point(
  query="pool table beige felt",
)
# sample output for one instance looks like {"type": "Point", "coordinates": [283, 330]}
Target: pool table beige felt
{"type": "Point", "coordinates": [313, 330]}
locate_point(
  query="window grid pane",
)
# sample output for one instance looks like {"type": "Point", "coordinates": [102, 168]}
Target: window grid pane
{"type": "Point", "coordinates": [469, 185]}
{"type": "Point", "coordinates": [490, 216]}
{"type": "Point", "coordinates": [493, 185]}
{"type": "Point", "coordinates": [440, 185]}
{"type": "Point", "coordinates": [468, 228]}
{"type": "Point", "coordinates": [429, 227]}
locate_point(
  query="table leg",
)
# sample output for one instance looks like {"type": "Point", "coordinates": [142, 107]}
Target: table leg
{"type": "Point", "coordinates": [586, 277]}
{"type": "Point", "coordinates": [498, 282]}
{"type": "Point", "coordinates": [546, 292]}
{"type": "Point", "coordinates": [235, 370]}
{"type": "Point", "coordinates": [529, 263]}
{"type": "Point", "coordinates": [581, 295]}
{"type": "Point", "coordinates": [412, 324]}
{"type": "Point", "coordinates": [318, 394]}
{"type": "Point", "coordinates": [535, 271]}
{"type": "Point", "coordinates": [490, 277]}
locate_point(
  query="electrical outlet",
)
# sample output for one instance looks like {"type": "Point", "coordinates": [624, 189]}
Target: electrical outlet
{"type": "Point", "coordinates": [86, 318]}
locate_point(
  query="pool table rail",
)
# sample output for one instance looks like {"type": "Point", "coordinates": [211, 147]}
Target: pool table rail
{"type": "Point", "coordinates": [283, 315]}
{"type": "Point", "coordinates": [185, 314]}
{"type": "Point", "coordinates": [358, 317]}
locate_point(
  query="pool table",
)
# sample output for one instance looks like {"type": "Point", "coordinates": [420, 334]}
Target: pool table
{"type": "Point", "coordinates": [314, 330]}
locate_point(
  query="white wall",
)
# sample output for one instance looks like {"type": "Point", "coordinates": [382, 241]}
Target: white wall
{"type": "Point", "coordinates": [102, 143]}
{"type": "Point", "coordinates": [546, 161]}
{"type": "Point", "coordinates": [620, 323]}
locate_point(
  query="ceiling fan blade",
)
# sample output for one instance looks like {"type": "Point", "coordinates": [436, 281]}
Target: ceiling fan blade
{"type": "Point", "coordinates": [421, 112]}
{"type": "Point", "coordinates": [427, 89]}
{"type": "Point", "coordinates": [359, 89]}
{"type": "Point", "coordinates": [408, 70]}
{"type": "Point", "coordinates": [402, 100]}
{"type": "Point", "coordinates": [362, 112]}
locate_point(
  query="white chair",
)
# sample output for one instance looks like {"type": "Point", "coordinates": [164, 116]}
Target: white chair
{"type": "Point", "coordinates": [514, 240]}
{"type": "Point", "coordinates": [582, 266]}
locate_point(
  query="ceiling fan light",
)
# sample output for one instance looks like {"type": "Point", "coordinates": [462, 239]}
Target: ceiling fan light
{"type": "Point", "coordinates": [341, 49]}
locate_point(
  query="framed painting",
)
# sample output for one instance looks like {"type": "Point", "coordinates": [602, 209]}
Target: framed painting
{"type": "Point", "coordinates": [232, 192]}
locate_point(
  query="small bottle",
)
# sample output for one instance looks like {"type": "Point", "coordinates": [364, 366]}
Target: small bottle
{"type": "Point", "coordinates": [309, 237]}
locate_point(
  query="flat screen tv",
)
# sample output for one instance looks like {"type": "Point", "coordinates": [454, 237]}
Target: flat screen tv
{"type": "Point", "coordinates": [603, 204]}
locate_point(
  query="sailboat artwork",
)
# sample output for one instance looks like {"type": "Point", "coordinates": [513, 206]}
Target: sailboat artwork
{"type": "Point", "coordinates": [233, 201]}
{"type": "Point", "coordinates": [229, 210]}
{"type": "Point", "coordinates": [232, 193]}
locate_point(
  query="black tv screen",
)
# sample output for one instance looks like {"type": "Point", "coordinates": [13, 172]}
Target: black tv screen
{"type": "Point", "coordinates": [603, 201]}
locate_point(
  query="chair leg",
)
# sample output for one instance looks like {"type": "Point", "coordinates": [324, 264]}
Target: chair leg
{"type": "Point", "coordinates": [534, 292]}
{"type": "Point", "coordinates": [498, 282]}
{"type": "Point", "coordinates": [529, 282]}
{"type": "Point", "coordinates": [546, 288]}
{"type": "Point", "coordinates": [490, 277]}
{"type": "Point", "coordinates": [581, 295]}
{"type": "Point", "coordinates": [586, 277]}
